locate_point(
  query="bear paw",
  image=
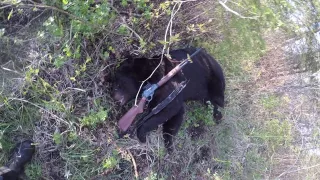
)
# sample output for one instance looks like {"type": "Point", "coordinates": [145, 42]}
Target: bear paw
{"type": "Point", "coordinates": [217, 116]}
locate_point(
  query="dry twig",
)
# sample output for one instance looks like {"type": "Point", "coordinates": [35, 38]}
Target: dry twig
{"type": "Point", "coordinates": [236, 13]}
{"type": "Point", "coordinates": [173, 12]}
{"type": "Point", "coordinates": [134, 165]}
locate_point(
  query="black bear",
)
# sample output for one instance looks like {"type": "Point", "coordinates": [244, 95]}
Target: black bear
{"type": "Point", "coordinates": [205, 82]}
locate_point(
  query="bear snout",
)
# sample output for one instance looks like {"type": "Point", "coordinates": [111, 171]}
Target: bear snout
{"type": "Point", "coordinates": [119, 97]}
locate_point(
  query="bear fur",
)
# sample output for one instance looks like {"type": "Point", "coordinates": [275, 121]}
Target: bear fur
{"type": "Point", "coordinates": [205, 79]}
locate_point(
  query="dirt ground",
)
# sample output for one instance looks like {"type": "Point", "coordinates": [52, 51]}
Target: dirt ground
{"type": "Point", "coordinates": [279, 73]}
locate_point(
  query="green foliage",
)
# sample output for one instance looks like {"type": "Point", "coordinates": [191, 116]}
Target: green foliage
{"type": "Point", "coordinates": [90, 16]}
{"type": "Point", "coordinates": [33, 171]}
{"type": "Point", "coordinates": [44, 94]}
{"type": "Point", "coordinates": [72, 136]}
{"type": "Point", "coordinates": [93, 118]}
{"type": "Point", "coordinates": [30, 73]}
{"type": "Point", "coordinates": [17, 118]}
{"type": "Point", "coordinates": [152, 176]}
{"type": "Point", "coordinates": [111, 162]}
{"type": "Point", "coordinates": [143, 5]}
{"type": "Point", "coordinates": [54, 27]}
{"type": "Point", "coordinates": [57, 138]}
{"type": "Point", "coordinates": [36, 86]}
{"type": "Point", "coordinates": [55, 105]}
{"type": "Point", "coordinates": [199, 114]}
{"type": "Point", "coordinates": [242, 41]}
{"type": "Point", "coordinates": [5, 144]}
{"type": "Point", "coordinates": [81, 68]}
{"type": "Point", "coordinates": [81, 160]}
{"type": "Point", "coordinates": [266, 139]}
{"type": "Point", "coordinates": [277, 133]}
{"type": "Point", "coordinates": [224, 145]}
{"type": "Point", "coordinates": [18, 114]}
{"type": "Point", "coordinates": [123, 30]}
{"type": "Point", "coordinates": [274, 134]}
{"type": "Point", "coordinates": [256, 163]}
{"type": "Point", "coordinates": [270, 102]}
{"type": "Point", "coordinates": [59, 61]}
{"type": "Point", "coordinates": [79, 20]}
{"type": "Point", "coordinates": [161, 152]}
{"type": "Point", "coordinates": [124, 3]}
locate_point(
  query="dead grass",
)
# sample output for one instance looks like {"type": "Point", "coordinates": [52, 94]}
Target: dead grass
{"type": "Point", "coordinates": [288, 99]}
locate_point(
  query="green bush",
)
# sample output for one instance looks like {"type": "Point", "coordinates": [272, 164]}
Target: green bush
{"type": "Point", "coordinates": [94, 118]}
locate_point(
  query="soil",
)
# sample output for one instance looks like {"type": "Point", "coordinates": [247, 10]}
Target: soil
{"type": "Point", "coordinates": [280, 73]}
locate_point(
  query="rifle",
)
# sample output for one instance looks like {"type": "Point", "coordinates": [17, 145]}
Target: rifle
{"type": "Point", "coordinates": [126, 120]}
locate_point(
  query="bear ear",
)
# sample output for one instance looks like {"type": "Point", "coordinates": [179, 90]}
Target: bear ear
{"type": "Point", "coordinates": [109, 77]}
{"type": "Point", "coordinates": [125, 54]}
{"type": "Point", "coordinates": [126, 61]}
{"type": "Point", "coordinates": [128, 57]}
{"type": "Point", "coordinates": [141, 65]}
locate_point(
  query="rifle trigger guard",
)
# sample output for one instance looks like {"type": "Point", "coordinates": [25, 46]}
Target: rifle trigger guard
{"type": "Point", "coordinates": [149, 98]}
{"type": "Point", "coordinates": [148, 93]}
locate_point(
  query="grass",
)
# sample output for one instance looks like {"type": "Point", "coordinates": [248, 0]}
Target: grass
{"type": "Point", "coordinates": [270, 102]}
{"type": "Point", "coordinates": [18, 121]}
{"type": "Point", "coordinates": [33, 170]}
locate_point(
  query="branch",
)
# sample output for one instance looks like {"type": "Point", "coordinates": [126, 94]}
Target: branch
{"type": "Point", "coordinates": [46, 7]}
{"type": "Point", "coordinates": [171, 22]}
{"type": "Point", "coordinates": [133, 31]}
{"type": "Point", "coordinates": [173, 12]}
{"type": "Point", "coordinates": [126, 25]}
{"type": "Point", "coordinates": [301, 169]}
{"type": "Point", "coordinates": [236, 13]}
{"type": "Point", "coordinates": [3, 7]}
{"type": "Point", "coordinates": [134, 165]}
{"type": "Point", "coordinates": [43, 109]}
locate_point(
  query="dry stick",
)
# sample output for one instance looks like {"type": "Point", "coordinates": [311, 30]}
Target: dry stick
{"type": "Point", "coordinates": [48, 7]}
{"type": "Point", "coordinates": [162, 54]}
{"type": "Point", "coordinates": [184, 1]}
{"type": "Point", "coordinates": [171, 20]}
{"type": "Point", "coordinates": [29, 22]}
{"type": "Point", "coordinates": [126, 25]}
{"type": "Point", "coordinates": [159, 160]}
{"type": "Point", "coordinates": [134, 32]}
{"type": "Point", "coordinates": [302, 144]}
{"type": "Point", "coordinates": [3, 7]}
{"type": "Point", "coordinates": [193, 6]}
{"type": "Point", "coordinates": [195, 17]}
{"type": "Point", "coordinates": [306, 168]}
{"type": "Point", "coordinates": [134, 165]}
{"type": "Point", "coordinates": [10, 70]}
{"type": "Point", "coordinates": [236, 13]}
{"type": "Point", "coordinates": [23, 100]}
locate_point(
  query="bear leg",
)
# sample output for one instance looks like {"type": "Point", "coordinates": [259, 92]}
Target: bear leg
{"type": "Point", "coordinates": [160, 118]}
{"type": "Point", "coordinates": [171, 127]}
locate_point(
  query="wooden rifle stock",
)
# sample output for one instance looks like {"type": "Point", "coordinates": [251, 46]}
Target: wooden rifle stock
{"type": "Point", "coordinates": [126, 120]}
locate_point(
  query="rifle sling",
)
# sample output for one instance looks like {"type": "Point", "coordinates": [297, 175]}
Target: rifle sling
{"type": "Point", "coordinates": [164, 103]}
{"type": "Point", "coordinates": [4, 170]}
